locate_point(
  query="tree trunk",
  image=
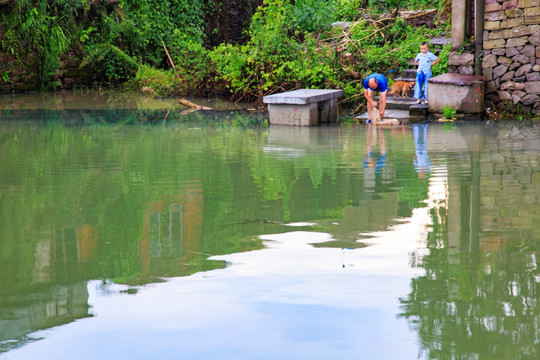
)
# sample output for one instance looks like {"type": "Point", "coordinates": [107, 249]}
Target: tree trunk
{"type": "Point", "coordinates": [235, 22]}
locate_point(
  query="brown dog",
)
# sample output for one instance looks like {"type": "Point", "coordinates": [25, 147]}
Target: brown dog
{"type": "Point", "coordinates": [401, 87]}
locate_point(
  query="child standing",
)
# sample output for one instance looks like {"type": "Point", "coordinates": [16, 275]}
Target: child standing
{"type": "Point", "coordinates": [424, 60]}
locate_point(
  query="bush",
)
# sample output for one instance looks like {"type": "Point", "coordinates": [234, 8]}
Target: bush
{"type": "Point", "coordinates": [267, 59]}
{"type": "Point", "coordinates": [110, 65]}
{"type": "Point", "coordinates": [350, 10]}
{"type": "Point", "coordinates": [163, 82]}
{"type": "Point", "coordinates": [313, 15]}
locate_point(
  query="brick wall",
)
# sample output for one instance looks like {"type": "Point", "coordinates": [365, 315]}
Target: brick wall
{"type": "Point", "coordinates": [511, 56]}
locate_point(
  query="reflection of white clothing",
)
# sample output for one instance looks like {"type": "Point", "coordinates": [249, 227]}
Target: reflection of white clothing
{"type": "Point", "coordinates": [420, 142]}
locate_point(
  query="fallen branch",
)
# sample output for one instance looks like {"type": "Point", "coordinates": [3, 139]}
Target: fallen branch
{"type": "Point", "coordinates": [358, 108]}
{"type": "Point", "coordinates": [377, 31]}
{"type": "Point", "coordinates": [428, 12]}
{"type": "Point", "coordinates": [170, 59]}
{"type": "Point", "coordinates": [350, 98]}
{"type": "Point", "coordinates": [192, 105]}
{"type": "Point", "coordinates": [187, 111]}
{"type": "Point", "coordinates": [350, 40]}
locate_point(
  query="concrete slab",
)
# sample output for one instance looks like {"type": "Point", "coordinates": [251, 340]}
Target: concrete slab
{"type": "Point", "coordinates": [304, 107]}
{"type": "Point", "coordinates": [295, 115]}
{"type": "Point", "coordinates": [391, 116]}
{"type": "Point", "coordinates": [302, 96]}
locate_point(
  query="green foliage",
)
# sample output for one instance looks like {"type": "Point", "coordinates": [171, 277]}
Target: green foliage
{"type": "Point", "coordinates": [163, 82]}
{"type": "Point", "coordinates": [84, 34]}
{"type": "Point", "coordinates": [515, 112]}
{"type": "Point", "coordinates": [442, 66]}
{"type": "Point", "coordinates": [265, 61]}
{"type": "Point", "coordinates": [156, 20]}
{"type": "Point", "coordinates": [194, 66]}
{"type": "Point", "coordinates": [285, 50]}
{"type": "Point", "coordinates": [5, 77]}
{"type": "Point", "coordinates": [377, 58]}
{"type": "Point", "coordinates": [350, 10]}
{"type": "Point", "coordinates": [313, 15]}
{"type": "Point", "coordinates": [32, 27]}
{"type": "Point", "coordinates": [110, 65]}
{"type": "Point", "coordinates": [449, 112]}
{"type": "Point", "coordinates": [448, 126]}
{"type": "Point", "coordinates": [391, 53]}
{"type": "Point", "coordinates": [385, 5]}
{"type": "Point", "coordinates": [290, 48]}
{"type": "Point", "coordinates": [290, 44]}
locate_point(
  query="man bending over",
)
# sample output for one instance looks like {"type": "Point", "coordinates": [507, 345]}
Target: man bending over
{"type": "Point", "coordinates": [375, 82]}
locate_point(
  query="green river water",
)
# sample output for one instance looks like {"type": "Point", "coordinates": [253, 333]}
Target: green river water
{"type": "Point", "coordinates": [132, 229]}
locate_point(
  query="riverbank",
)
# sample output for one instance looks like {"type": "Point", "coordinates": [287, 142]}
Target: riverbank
{"type": "Point", "coordinates": [286, 46]}
{"type": "Point", "coordinates": [106, 100]}
{"type": "Point", "coordinates": [154, 108]}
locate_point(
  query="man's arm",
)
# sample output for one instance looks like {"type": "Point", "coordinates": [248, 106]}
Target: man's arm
{"type": "Point", "coordinates": [436, 61]}
{"type": "Point", "coordinates": [369, 97]}
{"type": "Point", "coordinates": [383, 104]}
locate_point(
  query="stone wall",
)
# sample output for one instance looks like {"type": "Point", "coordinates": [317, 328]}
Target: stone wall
{"type": "Point", "coordinates": [511, 56]}
{"type": "Point", "coordinates": [19, 76]}
{"type": "Point", "coordinates": [461, 62]}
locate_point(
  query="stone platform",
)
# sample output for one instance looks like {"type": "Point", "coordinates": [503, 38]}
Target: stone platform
{"type": "Point", "coordinates": [305, 107]}
{"type": "Point", "coordinates": [465, 93]}
{"type": "Point", "coordinates": [402, 116]}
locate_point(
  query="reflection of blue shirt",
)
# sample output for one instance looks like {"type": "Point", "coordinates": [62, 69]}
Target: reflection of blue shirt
{"type": "Point", "coordinates": [380, 160]}
{"type": "Point", "coordinates": [422, 160]}
{"type": "Point", "coordinates": [424, 62]}
{"type": "Point", "coordinates": [381, 80]}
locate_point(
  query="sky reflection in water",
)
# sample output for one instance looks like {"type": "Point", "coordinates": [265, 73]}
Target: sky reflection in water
{"type": "Point", "coordinates": [288, 300]}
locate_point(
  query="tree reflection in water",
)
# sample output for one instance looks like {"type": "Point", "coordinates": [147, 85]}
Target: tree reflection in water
{"type": "Point", "coordinates": [478, 298]}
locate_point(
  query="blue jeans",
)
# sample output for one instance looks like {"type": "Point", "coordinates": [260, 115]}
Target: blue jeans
{"type": "Point", "coordinates": [421, 80]}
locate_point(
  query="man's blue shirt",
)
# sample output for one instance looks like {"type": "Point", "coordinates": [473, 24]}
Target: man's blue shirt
{"type": "Point", "coordinates": [382, 82]}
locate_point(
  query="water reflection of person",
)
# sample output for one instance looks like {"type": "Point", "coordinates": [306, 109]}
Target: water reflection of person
{"type": "Point", "coordinates": [375, 151]}
{"type": "Point", "coordinates": [421, 159]}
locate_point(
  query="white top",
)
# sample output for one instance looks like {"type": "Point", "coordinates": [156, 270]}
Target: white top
{"type": "Point", "coordinates": [302, 96]}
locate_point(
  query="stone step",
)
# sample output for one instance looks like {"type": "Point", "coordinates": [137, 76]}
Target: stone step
{"type": "Point", "coordinates": [439, 41]}
{"type": "Point", "coordinates": [418, 110]}
{"type": "Point", "coordinates": [402, 116]}
{"type": "Point", "coordinates": [398, 103]}
{"type": "Point", "coordinates": [409, 73]}
{"type": "Point", "coordinates": [408, 79]}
